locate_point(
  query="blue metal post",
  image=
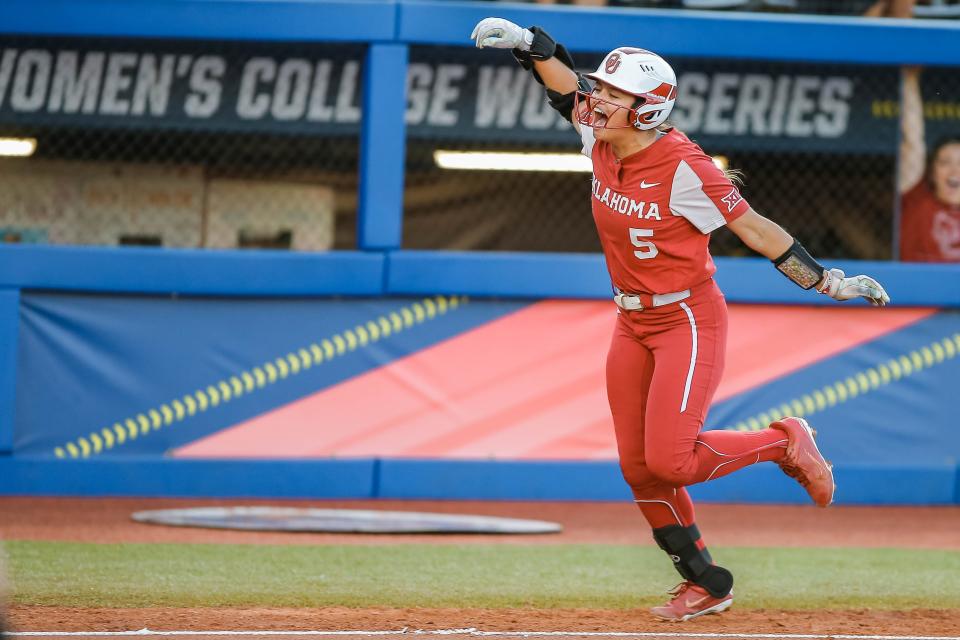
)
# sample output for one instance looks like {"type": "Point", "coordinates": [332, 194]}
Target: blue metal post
{"type": "Point", "coordinates": [382, 147]}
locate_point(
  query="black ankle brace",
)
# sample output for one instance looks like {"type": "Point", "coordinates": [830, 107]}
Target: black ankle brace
{"type": "Point", "coordinates": [692, 563]}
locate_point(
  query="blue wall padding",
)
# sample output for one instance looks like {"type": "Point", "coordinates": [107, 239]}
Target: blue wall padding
{"type": "Point", "coordinates": [500, 480]}
{"type": "Point", "coordinates": [555, 275]}
{"type": "Point", "coordinates": [336, 20]}
{"type": "Point", "coordinates": [153, 476]}
{"type": "Point", "coordinates": [906, 483]}
{"type": "Point", "coordinates": [445, 479]}
{"type": "Point", "coordinates": [498, 274]}
{"type": "Point", "coordinates": [765, 483]}
{"type": "Point", "coordinates": [382, 156]}
{"type": "Point", "coordinates": [446, 22]}
{"type": "Point", "coordinates": [693, 33]}
{"type": "Point", "coordinates": [191, 271]}
{"type": "Point", "coordinates": [755, 280]}
{"type": "Point", "coordinates": [89, 361]}
{"type": "Point", "coordinates": [956, 488]}
{"type": "Point", "coordinates": [9, 331]}
{"type": "Point", "coordinates": [347, 273]}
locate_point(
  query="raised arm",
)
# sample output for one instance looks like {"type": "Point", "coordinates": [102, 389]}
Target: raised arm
{"type": "Point", "coordinates": [913, 149]}
{"type": "Point", "coordinates": [556, 76]}
{"type": "Point", "coordinates": [769, 239]}
{"type": "Point", "coordinates": [550, 62]}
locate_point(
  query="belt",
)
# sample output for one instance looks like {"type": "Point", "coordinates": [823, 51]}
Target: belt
{"type": "Point", "coordinates": [638, 301]}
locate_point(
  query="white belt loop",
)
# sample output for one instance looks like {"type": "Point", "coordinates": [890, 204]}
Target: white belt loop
{"type": "Point", "coordinates": [629, 302]}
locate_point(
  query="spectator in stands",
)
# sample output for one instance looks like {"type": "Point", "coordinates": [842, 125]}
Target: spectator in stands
{"type": "Point", "coordinates": [929, 186]}
{"type": "Point", "coordinates": [890, 9]}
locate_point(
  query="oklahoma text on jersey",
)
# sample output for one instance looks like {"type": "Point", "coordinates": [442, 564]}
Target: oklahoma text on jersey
{"type": "Point", "coordinates": [622, 204]}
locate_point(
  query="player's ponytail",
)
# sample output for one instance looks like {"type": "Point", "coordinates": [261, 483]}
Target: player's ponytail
{"type": "Point", "coordinates": [735, 176]}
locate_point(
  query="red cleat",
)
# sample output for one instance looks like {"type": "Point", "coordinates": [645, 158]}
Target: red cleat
{"type": "Point", "coordinates": [690, 601]}
{"type": "Point", "coordinates": [804, 462]}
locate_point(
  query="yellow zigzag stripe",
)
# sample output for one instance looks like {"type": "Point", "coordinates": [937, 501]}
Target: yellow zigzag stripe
{"type": "Point", "coordinates": [858, 384]}
{"type": "Point", "coordinates": [258, 377]}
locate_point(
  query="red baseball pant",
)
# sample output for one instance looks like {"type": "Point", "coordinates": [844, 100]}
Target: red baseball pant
{"type": "Point", "coordinates": [663, 368]}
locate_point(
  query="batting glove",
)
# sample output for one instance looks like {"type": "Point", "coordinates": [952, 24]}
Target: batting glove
{"type": "Point", "coordinates": [501, 34]}
{"type": "Point", "coordinates": [839, 287]}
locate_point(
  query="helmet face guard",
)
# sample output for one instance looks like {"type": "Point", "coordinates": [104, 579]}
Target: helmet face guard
{"type": "Point", "coordinates": [586, 105]}
{"type": "Point", "coordinates": [644, 114]}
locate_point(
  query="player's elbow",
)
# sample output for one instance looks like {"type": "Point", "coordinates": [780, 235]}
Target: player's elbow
{"type": "Point", "coordinates": [763, 236]}
{"type": "Point", "coordinates": [754, 239]}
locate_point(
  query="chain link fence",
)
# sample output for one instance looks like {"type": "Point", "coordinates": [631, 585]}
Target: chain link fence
{"type": "Point", "coordinates": [233, 145]}
{"type": "Point", "coordinates": [180, 144]}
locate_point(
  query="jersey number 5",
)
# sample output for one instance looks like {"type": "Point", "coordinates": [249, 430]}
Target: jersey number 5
{"type": "Point", "coordinates": [645, 248]}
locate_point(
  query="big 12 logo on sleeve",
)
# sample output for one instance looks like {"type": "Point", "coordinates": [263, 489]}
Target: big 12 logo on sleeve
{"type": "Point", "coordinates": [732, 199]}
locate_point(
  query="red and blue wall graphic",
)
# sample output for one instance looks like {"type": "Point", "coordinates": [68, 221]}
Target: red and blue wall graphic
{"type": "Point", "coordinates": [450, 379]}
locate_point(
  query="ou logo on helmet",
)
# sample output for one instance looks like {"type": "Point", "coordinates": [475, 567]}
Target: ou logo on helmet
{"type": "Point", "coordinates": [613, 63]}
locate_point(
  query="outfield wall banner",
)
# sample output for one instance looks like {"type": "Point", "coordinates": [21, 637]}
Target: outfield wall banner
{"type": "Point", "coordinates": [448, 377]}
{"type": "Point", "coordinates": [132, 375]}
{"type": "Point", "coordinates": [457, 93]}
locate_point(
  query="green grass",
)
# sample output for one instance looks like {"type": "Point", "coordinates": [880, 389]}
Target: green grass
{"type": "Point", "coordinates": [595, 576]}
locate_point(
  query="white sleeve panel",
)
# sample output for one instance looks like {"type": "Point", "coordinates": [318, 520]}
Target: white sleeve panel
{"type": "Point", "coordinates": [586, 135]}
{"type": "Point", "coordinates": [688, 199]}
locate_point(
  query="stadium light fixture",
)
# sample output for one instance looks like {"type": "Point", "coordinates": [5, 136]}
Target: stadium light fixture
{"type": "Point", "coordinates": [512, 161]}
{"type": "Point", "coordinates": [17, 147]}
{"type": "Point", "coordinates": [524, 161]}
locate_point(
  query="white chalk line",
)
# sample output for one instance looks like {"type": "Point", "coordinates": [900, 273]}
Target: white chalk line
{"type": "Point", "coordinates": [476, 632]}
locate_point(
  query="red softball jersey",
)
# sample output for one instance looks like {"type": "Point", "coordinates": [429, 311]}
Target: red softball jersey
{"type": "Point", "coordinates": [929, 229]}
{"type": "Point", "coordinates": [655, 209]}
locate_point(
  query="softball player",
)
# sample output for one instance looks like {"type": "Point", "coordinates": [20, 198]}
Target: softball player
{"type": "Point", "coordinates": [656, 197]}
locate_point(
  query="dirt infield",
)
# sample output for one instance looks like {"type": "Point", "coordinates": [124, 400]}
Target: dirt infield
{"type": "Point", "coordinates": [108, 521]}
{"type": "Point", "coordinates": [860, 622]}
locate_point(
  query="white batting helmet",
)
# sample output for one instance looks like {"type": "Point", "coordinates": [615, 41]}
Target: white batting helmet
{"type": "Point", "coordinates": [644, 74]}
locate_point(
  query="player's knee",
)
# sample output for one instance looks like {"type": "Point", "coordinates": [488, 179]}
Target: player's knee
{"type": "Point", "coordinates": [671, 470]}
{"type": "Point", "coordinates": [638, 476]}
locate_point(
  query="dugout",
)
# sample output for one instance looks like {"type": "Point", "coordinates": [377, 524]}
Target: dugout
{"type": "Point", "coordinates": [333, 112]}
